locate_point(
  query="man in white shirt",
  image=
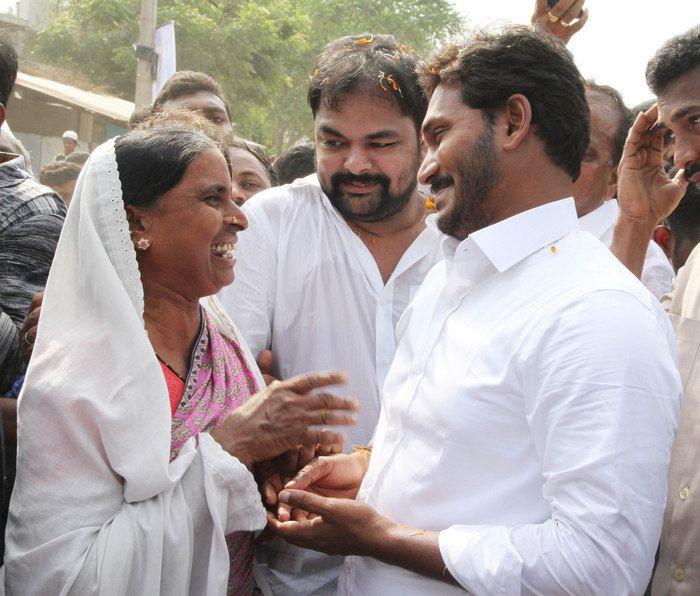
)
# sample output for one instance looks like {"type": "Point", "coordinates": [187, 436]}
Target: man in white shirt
{"type": "Point", "coordinates": [596, 187]}
{"type": "Point", "coordinates": [329, 263]}
{"type": "Point", "coordinates": [528, 416]}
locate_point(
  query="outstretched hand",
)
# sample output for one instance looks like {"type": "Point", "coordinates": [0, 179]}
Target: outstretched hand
{"type": "Point", "coordinates": [286, 415]}
{"type": "Point", "coordinates": [563, 20]}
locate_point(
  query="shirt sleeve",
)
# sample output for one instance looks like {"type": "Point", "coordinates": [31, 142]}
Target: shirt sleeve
{"type": "Point", "coordinates": [657, 273]}
{"type": "Point", "coordinates": [250, 299]}
{"type": "Point", "coordinates": [26, 252]}
{"type": "Point", "coordinates": [602, 397]}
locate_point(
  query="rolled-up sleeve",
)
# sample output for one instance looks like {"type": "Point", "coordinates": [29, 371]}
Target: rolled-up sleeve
{"type": "Point", "coordinates": [602, 397]}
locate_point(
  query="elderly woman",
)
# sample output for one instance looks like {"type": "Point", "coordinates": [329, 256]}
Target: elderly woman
{"type": "Point", "coordinates": [142, 410]}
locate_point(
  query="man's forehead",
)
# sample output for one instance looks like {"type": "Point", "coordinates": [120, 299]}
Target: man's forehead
{"type": "Point", "coordinates": [202, 100]}
{"type": "Point", "coordinates": [446, 104]}
{"type": "Point", "coordinates": [680, 97]}
{"type": "Point", "coordinates": [362, 116]}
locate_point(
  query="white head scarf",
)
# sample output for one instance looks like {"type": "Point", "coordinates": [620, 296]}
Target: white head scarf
{"type": "Point", "coordinates": [97, 505]}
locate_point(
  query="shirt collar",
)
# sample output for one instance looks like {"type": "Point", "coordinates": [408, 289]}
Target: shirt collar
{"type": "Point", "coordinates": [508, 242]}
{"type": "Point", "coordinates": [600, 220]}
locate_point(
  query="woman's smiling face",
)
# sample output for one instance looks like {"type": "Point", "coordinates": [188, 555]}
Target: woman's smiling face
{"type": "Point", "coordinates": [193, 231]}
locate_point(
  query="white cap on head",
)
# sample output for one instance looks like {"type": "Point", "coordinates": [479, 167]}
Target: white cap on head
{"type": "Point", "coordinates": [71, 134]}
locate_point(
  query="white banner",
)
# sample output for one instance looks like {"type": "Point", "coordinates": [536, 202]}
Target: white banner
{"type": "Point", "coordinates": [165, 48]}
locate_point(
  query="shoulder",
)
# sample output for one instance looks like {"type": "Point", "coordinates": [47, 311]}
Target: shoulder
{"type": "Point", "coordinates": [301, 196]}
{"type": "Point", "coordinates": [579, 274]}
{"type": "Point", "coordinates": [26, 199]}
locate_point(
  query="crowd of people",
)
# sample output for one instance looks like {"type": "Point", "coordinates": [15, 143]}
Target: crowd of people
{"type": "Point", "coordinates": [450, 345]}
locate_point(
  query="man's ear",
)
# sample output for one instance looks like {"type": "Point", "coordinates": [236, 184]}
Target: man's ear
{"type": "Point", "coordinates": [664, 238]}
{"type": "Point", "coordinates": [611, 188]}
{"type": "Point", "coordinates": [518, 118]}
{"type": "Point", "coordinates": [2, 114]}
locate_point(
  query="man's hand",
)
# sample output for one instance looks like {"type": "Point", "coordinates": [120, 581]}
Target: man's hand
{"type": "Point", "coordinates": [334, 526]}
{"type": "Point", "coordinates": [563, 20]}
{"type": "Point", "coordinates": [348, 527]}
{"type": "Point", "coordinates": [646, 194]}
{"type": "Point", "coordinates": [265, 366]}
{"type": "Point", "coordinates": [337, 476]}
{"type": "Point", "coordinates": [27, 333]}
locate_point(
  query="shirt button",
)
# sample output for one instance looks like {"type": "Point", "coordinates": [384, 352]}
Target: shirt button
{"type": "Point", "coordinates": [417, 369]}
{"type": "Point", "coordinates": [393, 435]}
{"type": "Point", "coordinates": [679, 574]}
{"type": "Point", "coordinates": [685, 493]}
{"type": "Point", "coordinates": [347, 566]}
{"type": "Point", "coordinates": [386, 359]}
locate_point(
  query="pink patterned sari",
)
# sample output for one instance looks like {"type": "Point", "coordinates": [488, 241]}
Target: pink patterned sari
{"type": "Point", "coordinates": [219, 380]}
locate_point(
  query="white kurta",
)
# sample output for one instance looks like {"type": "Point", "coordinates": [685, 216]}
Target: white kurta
{"type": "Point", "coordinates": [307, 288]}
{"type": "Point", "coordinates": [97, 506]}
{"type": "Point", "coordinates": [528, 417]}
{"type": "Point", "coordinates": [657, 273]}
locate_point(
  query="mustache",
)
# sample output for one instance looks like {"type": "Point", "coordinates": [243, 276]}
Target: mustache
{"type": "Point", "coordinates": [692, 170]}
{"type": "Point", "coordinates": [347, 178]}
{"type": "Point", "coordinates": [441, 181]}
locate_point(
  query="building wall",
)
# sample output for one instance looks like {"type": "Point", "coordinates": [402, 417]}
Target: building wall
{"type": "Point", "coordinates": [18, 32]}
{"type": "Point", "coordinates": [41, 124]}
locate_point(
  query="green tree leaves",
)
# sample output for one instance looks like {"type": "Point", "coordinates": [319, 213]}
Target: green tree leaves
{"type": "Point", "coordinates": [261, 51]}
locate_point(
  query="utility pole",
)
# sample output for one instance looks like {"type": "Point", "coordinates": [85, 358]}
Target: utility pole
{"type": "Point", "coordinates": [144, 53]}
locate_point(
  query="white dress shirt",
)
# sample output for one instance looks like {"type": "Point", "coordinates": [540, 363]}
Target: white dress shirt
{"type": "Point", "coordinates": [528, 417]}
{"type": "Point", "coordinates": [307, 288]}
{"type": "Point", "coordinates": [657, 274]}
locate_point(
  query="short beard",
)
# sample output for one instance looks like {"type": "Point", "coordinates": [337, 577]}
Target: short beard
{"type": "Point", "coordinates": [370, 208]}
{"type": "Point", "coordinates": [477, 170]}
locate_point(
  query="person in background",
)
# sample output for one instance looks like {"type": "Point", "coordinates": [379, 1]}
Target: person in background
{"type": "Point", "coordinates": [647, 195]}
{"type": "Point", "coordinates": [78, 158]}
{"type": "Point", "coordinates": [330, 263]}
{"type": "Point", "coordinates": [31, 218]}
{"type": "Point", "coordinates": [596, 188]}
{"type": "Point", "coordinates": [251, 169]}
{"type": "Point", "coordinates": [528, 416]}
{"type": "Point", "coordinates": [61, 176]}
{"type": "Point", "coordinates": [70, 143]}
{"type": "Point", "coordinates": [143, 411]}
{"type": "Point", "coordinates": [196, 91]}
{"type": "Point", "coordinates": [679, 233]}
{"type": "Point", "coordinates": [298, 161]}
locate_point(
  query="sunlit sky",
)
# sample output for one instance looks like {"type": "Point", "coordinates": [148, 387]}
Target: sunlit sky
{"type": "Point", "coordinates": [616, 43]}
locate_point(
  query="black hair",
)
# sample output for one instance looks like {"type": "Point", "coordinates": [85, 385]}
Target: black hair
{"type": "Point", "coordinates": [489, 68]}
{"type": "Point", "coordinates": [296, 162]}
{"type": "Point", "coordinates": [258, 152]}
{"type": "Point", "coordinates": [152, 161]}
{"type": "Point", "coordinates": [677, 56]}
{"type": "Point", "coordinates": [624, 117]}
{"type": "Point", "coordinates": [368, 62]}
{"type": "Point", "coordinates": [643, 107]}
{"type": "Point", "coordinates": [189, 82]}
{"type": "Point", "coordinates": [8, 69]}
